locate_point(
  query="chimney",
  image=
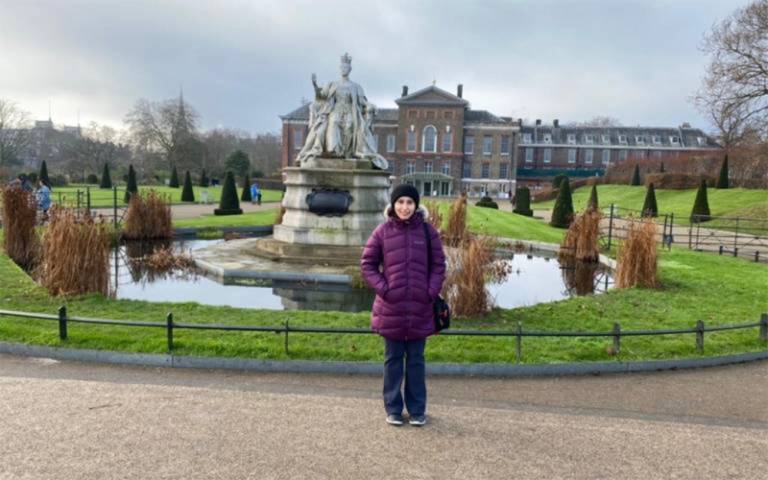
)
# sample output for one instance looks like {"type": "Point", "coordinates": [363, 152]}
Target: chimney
{"type": "Point", "coordinates": [405, 91]}
{"type": "Point", "coordinates": [538, 122]}
{"type": "Point", "coordinates": [460, 91]}
{"type": "Point", "coordinates": [520, 121]}
{"type": "Point", "coordinates": [556, 123]}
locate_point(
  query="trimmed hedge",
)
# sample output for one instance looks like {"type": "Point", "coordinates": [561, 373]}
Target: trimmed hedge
{"type": "Point", "coordinates": [229, 204]}
{"type": "Point", "coordinates": [188, 193]}
{"type": "Point", "coordinates": [523, 202]}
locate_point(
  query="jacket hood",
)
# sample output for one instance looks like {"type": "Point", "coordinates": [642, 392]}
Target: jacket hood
{"type": "Point", "coordinates": [422, 209]}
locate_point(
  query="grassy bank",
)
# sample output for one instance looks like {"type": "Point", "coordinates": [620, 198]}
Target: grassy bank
{"type": "Point", "coordinates": [104, 197]}
{"type": "Point", "coordinates": [728, 202]}
{"type": "Point", "coordinates": [215, 221]}
{"type": "Point", "coordinates": [689, 281]}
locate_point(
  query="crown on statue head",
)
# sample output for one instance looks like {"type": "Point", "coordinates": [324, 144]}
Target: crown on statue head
{"type": "Point", "coordinates": [346, 59]}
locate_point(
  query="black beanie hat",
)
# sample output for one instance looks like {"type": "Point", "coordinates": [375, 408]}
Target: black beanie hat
{"type": "Point", "coordinates": [405, 190]}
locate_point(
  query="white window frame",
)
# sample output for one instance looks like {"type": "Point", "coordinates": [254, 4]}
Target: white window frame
{"type": "Point", "coordinates": [701, 141]}
{"type": "Point", "coordinates": [571, 155]}
{"type": "Point", "coordinates": [298, 138]}
{"type": "Point", "coordinates": [410, 168]}
{"type": "Point", "coordinates": [509, 145]}
{"type": "Point", "coordinates": [623, 139]}
{"type": "Point", "coordinates": [432, 147]}
{"type": "Point", "coordinates": [639, 140]}
{"type": "Point", "coordinates": [571, 139]}
{"type": "Point", "coordinates": [606, 139]}
{"type": "Point", "coordinates": [489, 151]}
{"type": "Point", "coordinates": [446, 167]}
{"type": "Point", "coordinates": [656, 139]}
{"type": "Point", "coordinates": [503, 174]}
{"type": "Point", "coordinates": [485, 170]}
{"type": "Point", "coordinates": [411, 141]}
{"type": "Point", "coordinates": [469, 140]}
{"type": "Point", "coordinates": [606, 156]}
{"type": "Point", "coordinates": [623, 155]}
{"type": "Point", "coordinates": [527, 138]}
{"type": "Point", "coordinates": [547, 155]}
{"type": "Point", "coordinates": [589, 156]}
{"type": "Point", "coordinates": [589, 139]}
{"type": "Point", "coordinates": [391, 142]}
{"type": "Point", "coordinates": [548, 138]}
{"type": "Point", "coordinates": [447, 142]}
{"type": "Point", "coordinates": [674, 140]}
{"type": "Point", "coordinates": [529, 155]}
{"type": "Point", "coordinates": [466, 168]}
{"type": "Point", "coordinates": [428, 167]}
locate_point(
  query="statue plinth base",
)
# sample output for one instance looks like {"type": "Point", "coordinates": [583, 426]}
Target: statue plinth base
{"type": "Point", "coordinates": [365, 191]}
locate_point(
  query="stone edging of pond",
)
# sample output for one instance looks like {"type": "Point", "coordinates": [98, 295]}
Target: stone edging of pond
{"type": "Point", "coordinates": [370, 368]}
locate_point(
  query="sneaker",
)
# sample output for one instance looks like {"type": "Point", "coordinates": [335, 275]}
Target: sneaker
{"type": "Point", "coordinates": [418, 420]}
{"type": "Point", "coordinates": [394, 419]}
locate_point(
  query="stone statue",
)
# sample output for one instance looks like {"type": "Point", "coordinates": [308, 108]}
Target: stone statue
{"type": "Point", "coordinates": [340, 121]}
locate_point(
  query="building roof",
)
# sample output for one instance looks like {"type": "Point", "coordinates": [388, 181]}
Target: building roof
{"type": "Point", "coordinates": [432, 95]}
{"type": "Point", "coordinates": [483, 117]}
{"type": "Point", "coordinates": [633, 136]}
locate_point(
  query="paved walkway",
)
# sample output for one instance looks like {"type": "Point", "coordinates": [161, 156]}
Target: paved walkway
{"type": "Point", "coordinates": [69, 420]}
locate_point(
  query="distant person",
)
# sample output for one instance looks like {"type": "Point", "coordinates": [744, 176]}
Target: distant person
{"type": "Point", "coordinates": [255, 193]}
{"type": "Point", "coordinates": [43, 197]}
{"type": "Point", "coordinates": [406, 289]}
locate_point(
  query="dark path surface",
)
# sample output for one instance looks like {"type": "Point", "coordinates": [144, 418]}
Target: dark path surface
{"type": "Point", "coordinates": [70, 420]}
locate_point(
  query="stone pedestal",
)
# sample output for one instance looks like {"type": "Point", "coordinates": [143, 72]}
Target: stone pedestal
{"type": "Point", "coordinates": [369, 191]}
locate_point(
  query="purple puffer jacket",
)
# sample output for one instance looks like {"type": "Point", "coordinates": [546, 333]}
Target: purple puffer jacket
{"type": "Point", "coordinates": [404, 295]}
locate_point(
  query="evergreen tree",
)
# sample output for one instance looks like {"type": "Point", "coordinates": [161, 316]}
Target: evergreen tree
{"type": "Point", "coordinates": [187, 194]}
{"type": "Point", "coordinates": [558, 180]}
{"type": "Point", "coordinates": [204, 181]}
{"type": "Point", "coordinates": [523, 202]}
{"type": "Point", "coordinates": [636, 176]}
{"type": "Point", "coordinates": [650, 209]}
{"type": "Point", "coordinates": [592, 202]}
{"type": "Point", "coordinates": [562, 213]}
{"type": "Point", "coordinates": [722, 181]}
{"type": "Point", "coordinates": [132, 187]}
{"type": "Point", "coordinates": [174, 183]}
{"type": "Point", "coordinates": [106, 178]}
{"type": "Point", "coordinates": [700, 212]}
{"type": "Point", "coordinates": [229, 205]}
{"type": "Point", "coordinates": [44, 174]}
{"type": "Point", "coordinates": [246, 196]}
{"type": "Point", "coordinates": [238, 163]}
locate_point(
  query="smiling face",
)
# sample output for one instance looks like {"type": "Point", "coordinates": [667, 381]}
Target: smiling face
{"type": "Point", "coordinates": [404, 208]}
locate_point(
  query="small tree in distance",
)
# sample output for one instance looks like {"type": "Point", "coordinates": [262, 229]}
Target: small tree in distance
{"type": "Point", "coordinates": [204, 181]}
{"type": "Point", "coordinates": [635, 176]}
{"type": "Point", "coordinates": [523, 202]}
{"type": "Point", "coordinates": [562, 213]}
{"type": "Point", "coordinates": [650, 209]}
{"type": "Point", "coordinates": [188, 193]}
{"type": "Point", "coordinates": [592, 202]}
{"type": "Point", "coordinates": [229, 204]}
{"type": "Point", "coordinates": [131, 188]}
{"type": "Point", "coordinates": [246, 196]}
{"type": "Point", "coordinates": [700, 211]}
{"type": "Point", "coordinates": [174, 183]}
{"type": "Point", "coordinates": [722, 181]}
{"type": "Point", "coordinates": [106, 178]}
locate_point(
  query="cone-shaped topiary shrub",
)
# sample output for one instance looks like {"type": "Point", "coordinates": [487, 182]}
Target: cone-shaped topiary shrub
{"type": "Point", "coordinates": [722, 181]}
{"type": "Point", "coordinates": [650, 209]}
{"type": "Point", "coordinates": [131, 188]}
{"type": "Point", "coordinates": [700, 211]}
{"type": "Point", "coordinates": [246, 196]}
{"type": "Point", "coordinates": [562, 213]}
{"type": "Point", "coordinates": [523, 202]}
{"type": "Point", "coordinates": [44, 174]}
{"type": "Point", "coordinates": [174, 183]}
{"type": "Point", "coordinates": [635, 176]}
{"type": "Point", "coordinates": [229, 204]}
{"type": "Point", "coordinates": [558, 180]}
{"type": "Point", "coordinates": [92, 179]}
{"type": "Point", "coordinates": [187, 194]}
{"type": "Point", "coordinates": [204, 181]}
{"type": "Point", "coordinates": [487, 202]}
{"type": "Point", "coordinates": [106, 178]}
{"type": "Point", "coordinates": [592, 202]}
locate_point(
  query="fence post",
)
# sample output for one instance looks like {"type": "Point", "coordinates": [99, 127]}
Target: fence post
{"type": "Point", "coordinates": [78, 201]}
{"type": "Point", "coordinates": [721, 249]}
{"type": "Point", "coordinates": [169, 330]}
{"type": "Point", "coordinates": [757, 255]}
{"type": "Point", "coordinates": [736, 237]}
{"type": "Point", "coordinates": [699, 336]}
{"type": "Point", "coordinates": [671, 226]}
{"type": "Point", "coordinates": [690, 233]}
{"type": "Point", "coordinates": [519, 342]}
{"type": "Point", "coordinates": [286, 338]}
{"type": "Point", "coordinates": [610, 227]}
{"type": "Point", "coordinates": [664, 231]}
{"type": "Point", "coordinates": [764, 327]}
{"type": "Point", "coordinates": [616, 338]}
{"type": "Point", "coordinates": [88, 199]}
{"type": "Point", "coordinates": [114, 207]}
{"type": "Point", "coordinates": [62, 322]}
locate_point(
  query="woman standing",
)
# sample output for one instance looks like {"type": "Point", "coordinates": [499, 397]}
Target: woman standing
{"type": "Point", "coordinates": [405, 288]}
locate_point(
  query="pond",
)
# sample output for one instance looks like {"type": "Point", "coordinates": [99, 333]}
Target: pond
{"type": "Point", "coordinates": [532, 279]}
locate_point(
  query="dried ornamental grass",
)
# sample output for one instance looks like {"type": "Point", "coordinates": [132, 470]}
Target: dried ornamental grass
{"type": "Point", "coordinates": [148, 217]}
{"type": "Point", "coordinates": [20, 240]}
{"type": "Point", "coordinates": [75, 255]}
{"type": "Point", "coordinates": [456, 230]}
{"type": "Point", "coordinates": [637, 259]}
{"type": "Point", "coordinates": [435, 217]}
{"type": "Point", "coordinates": [471, 266]}
{"type": "Point", "coordinates": [581, 239]}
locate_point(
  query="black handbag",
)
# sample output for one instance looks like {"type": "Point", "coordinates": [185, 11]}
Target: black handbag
{"type": "Point", "coordinates": [442, 312]}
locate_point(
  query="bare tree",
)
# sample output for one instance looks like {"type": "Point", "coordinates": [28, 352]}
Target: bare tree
{"type": "Point", "coordinates": [734, 91]}
{"type": "Point", "coordinates": [14, 133]}
{"type": "Point", "coordinates": [168, 127]}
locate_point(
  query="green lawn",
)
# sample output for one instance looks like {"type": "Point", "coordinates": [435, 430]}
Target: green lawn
{"type": "Point", "coordinates": [104, 197]}
{"type": "Point", "coordinates": [728, 202]}
{"type": "Point", "coordinates": [214, 221]}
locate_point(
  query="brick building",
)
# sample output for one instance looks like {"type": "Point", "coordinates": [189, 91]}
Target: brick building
{"type": "Point", "coordinates": [435, 141]}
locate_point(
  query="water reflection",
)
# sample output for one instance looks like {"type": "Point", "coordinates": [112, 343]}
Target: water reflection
{"type": "Point", "coordinates": [531, 280]}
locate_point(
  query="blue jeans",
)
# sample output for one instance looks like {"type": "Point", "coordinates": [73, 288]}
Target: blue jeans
{"type": "Point", "coordinates": [415, 372]}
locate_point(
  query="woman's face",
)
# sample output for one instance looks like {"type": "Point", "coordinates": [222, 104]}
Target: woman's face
{"type": "Point", "coordinates": [404, 208]}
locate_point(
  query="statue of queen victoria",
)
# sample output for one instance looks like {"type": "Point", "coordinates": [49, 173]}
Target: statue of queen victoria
{"type": "Point", "coordinates": [340, 121]}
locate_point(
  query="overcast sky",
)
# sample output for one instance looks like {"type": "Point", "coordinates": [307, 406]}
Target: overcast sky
{"type": "Point", "coordinates": [243, 63]}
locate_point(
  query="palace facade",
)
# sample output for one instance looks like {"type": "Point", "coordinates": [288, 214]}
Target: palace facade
{"type": "Point", "coordinates": [435, 141]}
